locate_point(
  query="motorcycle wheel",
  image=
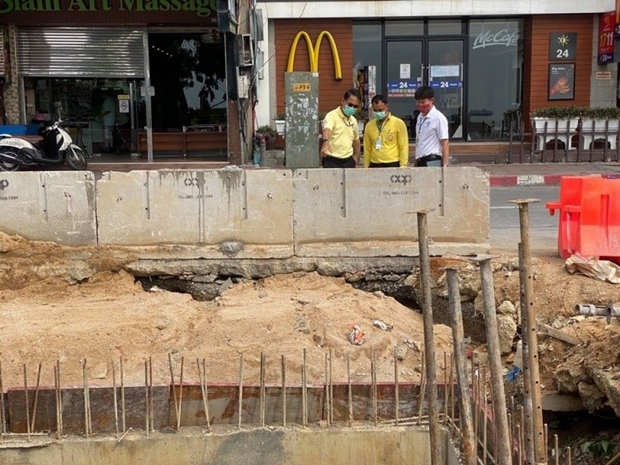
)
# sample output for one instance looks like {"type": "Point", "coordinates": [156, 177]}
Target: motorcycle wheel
{"type": "Point", "coordinates": [7, 165]}
{"type": "Point", "coordinates": [75, 158]}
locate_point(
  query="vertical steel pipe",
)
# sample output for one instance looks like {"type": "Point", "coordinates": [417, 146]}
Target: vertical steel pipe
{"type": "Point", "coordinates": [495, 362]}
{"type": "Point", "coordinates": [460, 357]}
{"type": "Point", "coordinates": [429, 339]}
{"type": "Point", "coordinates": [531, 331]}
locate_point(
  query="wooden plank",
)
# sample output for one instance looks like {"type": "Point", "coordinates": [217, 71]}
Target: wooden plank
{"type": "Point", "coordinates": [557, 334]}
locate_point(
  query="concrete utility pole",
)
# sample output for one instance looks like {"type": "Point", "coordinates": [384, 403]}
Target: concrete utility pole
{"type": "Point", "coordinates": [531, 336]}
{"type": "Point", "coordinates": [429, 338]}
{"type": "Point", "coordinates": [460, 361]}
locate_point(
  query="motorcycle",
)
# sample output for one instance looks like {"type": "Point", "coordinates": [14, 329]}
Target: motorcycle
{"type": "Point", "coordinates": [56, 147]}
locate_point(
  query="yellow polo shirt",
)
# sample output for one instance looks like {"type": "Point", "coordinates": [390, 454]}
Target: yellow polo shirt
{"type": "Point", "coordinates": [394, 142]}
{"type": "Point", "coordinates": [344, 132]}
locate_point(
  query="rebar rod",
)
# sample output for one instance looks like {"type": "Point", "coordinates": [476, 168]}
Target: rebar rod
{"type": "Point", "coordinates": [179, 415]}
{"type": "Point", "coordinates": [2, 413]}
{"type": "Point", "coordinates": [396, 390]}
{"type": "Point", "coordinates": [115, 396]}
{"type": "Point", "coordinates": [262, 390]}
{"type": "Point", "coordinates": [283, 359]}
{"type": "Point", "coordinates": [531, 335]}
{"type": "Point", "coordinates": [460, 362]}
{"type": "Point", "coordinates": [56, 390]}
{"type": "Point", "coordinates": [36, 399]}
{"type": "Point", "coordinates": [240, 406]}
{"type": "Point", "coordinates": [123, 404]}
{"type": "Point", "coordinates": [373, 378]}
{"type": "Point", "coordinates": [331, 387]}
{"type": "Point", "coordinates": [174, 392]}
{"type": "Point", "coordinates": [27, 402]}
{"type": "Point", "coordinates": [89, 428]}
{"type": "Point", "coordinates": [495, 362]}
{"type": "Point", "coordinates": [350, 389]}
{"type": "Point", "coordinates": [304, 389]}
{"type": "Point", "coordinates": [146, 398]}
{"type": "Point", "coordinates": [429, 339]}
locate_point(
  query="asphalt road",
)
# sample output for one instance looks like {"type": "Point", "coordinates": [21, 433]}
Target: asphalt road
{"type": "Point", "coordinates": [505, 228]}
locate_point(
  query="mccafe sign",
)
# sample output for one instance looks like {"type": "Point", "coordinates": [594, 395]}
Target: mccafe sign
{"type": "Point", "coordinates": [501, 38]}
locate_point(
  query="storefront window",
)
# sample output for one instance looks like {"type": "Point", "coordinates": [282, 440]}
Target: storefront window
{"type": "Point", "coordinates": [367, 46]}
{"type": "Point", "coordinates": [188, 73]}
{"type": "Point", "coordinates": [91, 109]}
{"type": "Point", "coordinates": [494, 78]}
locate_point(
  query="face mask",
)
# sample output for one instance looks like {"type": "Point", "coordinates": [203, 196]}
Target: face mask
{"type": "Point", "coordinates": [424, 109]}
{"type": "Point", "coordinates": [349, 111]}
{"type": "Point", "coordinates": [380, 115]}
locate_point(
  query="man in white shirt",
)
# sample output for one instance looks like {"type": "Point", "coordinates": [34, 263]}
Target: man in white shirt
{"type": "Point", "coordinates": [432, 145]}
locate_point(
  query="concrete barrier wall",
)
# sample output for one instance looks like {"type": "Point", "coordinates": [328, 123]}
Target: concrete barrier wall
{"type": "Point", "coordinates": [228, 212]}
{"type": "Point", "coordinates": [56, 206]}
{"type": "Point", "coordinates": [374, 212]}
{"type": "Point", "coordinates": [235, 213]}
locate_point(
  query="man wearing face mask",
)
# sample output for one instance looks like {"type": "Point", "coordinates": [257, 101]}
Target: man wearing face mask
{"type": "Point", "coordinates": [432, 144]}
{"type": "Point", "coordinates": [386, 140]}
{"type": "Point", "coordinates": [341, 142]}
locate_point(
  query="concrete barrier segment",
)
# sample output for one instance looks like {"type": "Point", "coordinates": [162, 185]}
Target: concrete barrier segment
{"type": "Point", "coordinates": [229, 212]}
{"type": "Point", "coordinates": [57, 206]}
{"type": "Point", "coordinates": [374, 212]}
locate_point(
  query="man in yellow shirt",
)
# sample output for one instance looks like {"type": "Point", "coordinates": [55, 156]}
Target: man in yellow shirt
{"type": "Point", "coordinates": [386, 140]}
{"type": "Point", "coordinates": [341, 141]}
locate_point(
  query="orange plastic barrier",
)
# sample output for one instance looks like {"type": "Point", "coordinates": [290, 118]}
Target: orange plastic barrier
{"type": "Point", "coordinates": [589, 216]}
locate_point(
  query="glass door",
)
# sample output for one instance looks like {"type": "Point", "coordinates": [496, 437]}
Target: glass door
{"type": "Point", "coordinates": [445, 76]}
{"type": "Point", "coordinates": [404, 76]}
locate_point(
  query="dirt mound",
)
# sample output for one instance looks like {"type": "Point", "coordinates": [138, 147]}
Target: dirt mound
{"type": "Point", "coordinates": [110, 317]}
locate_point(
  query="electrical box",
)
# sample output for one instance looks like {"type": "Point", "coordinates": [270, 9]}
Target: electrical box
{"type": "Point", "coordinates": [246, 52]}
{"type": "Point", "coordinates": [243, 85]}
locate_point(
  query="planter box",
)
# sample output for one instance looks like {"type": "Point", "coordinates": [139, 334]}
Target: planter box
{"type": "Point", "coordinates": [595, 129]}
{"type": "Point", "coordinates": [546, 130]}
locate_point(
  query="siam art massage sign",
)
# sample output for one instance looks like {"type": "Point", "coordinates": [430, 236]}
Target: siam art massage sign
{"type": "Point", "coordinates": [202, 8]}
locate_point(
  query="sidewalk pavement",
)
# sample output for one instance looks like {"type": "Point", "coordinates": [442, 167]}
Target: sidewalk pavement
{"type": "Point", "coordinates": [543, 174]}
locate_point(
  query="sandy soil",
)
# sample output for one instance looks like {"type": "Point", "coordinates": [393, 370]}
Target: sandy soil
{"type": "Point", "coordinates": [109, 316]}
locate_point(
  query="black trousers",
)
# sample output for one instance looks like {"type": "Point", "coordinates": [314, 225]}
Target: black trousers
{"type": "Point", "coordinates": [333, 162]}
{"type": "Point", "coordinates": [392, 164]}
{"type": "Point", "coordinates": [429, 160]}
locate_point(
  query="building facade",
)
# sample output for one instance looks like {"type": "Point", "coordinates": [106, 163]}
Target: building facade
{"type": "Point", "coordinates": [487, 61]}
{"type": "Point", "coordinates": [160, 77]}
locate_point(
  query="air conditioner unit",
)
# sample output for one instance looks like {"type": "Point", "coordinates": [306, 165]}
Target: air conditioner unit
{"type": "Point", "coordinates": [246, 51]}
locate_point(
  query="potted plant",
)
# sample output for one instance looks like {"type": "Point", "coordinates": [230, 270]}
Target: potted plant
{"type": "Point", "coordinates": [280, 122]}
{"type": "Point", "coordinates": [269, 134]}
{"type": "Point", "coordinates": [600, 123]}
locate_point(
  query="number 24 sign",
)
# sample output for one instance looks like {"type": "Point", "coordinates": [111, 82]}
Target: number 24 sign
{"type": "Point", "coordinates": [562, 46]}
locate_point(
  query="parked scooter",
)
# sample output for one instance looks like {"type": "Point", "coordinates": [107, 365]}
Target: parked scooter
{"type": "Point", "coordinates": [56, 147]}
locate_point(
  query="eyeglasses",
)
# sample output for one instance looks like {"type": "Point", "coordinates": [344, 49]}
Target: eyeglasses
{"type": "Point", "coordinates": [352, 105]}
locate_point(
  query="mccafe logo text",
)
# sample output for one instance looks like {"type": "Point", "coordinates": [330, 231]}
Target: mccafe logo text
{"type": "Point", "coordinates": [499, 38]}
{"type": "Point", "coordinates": [201, 7]}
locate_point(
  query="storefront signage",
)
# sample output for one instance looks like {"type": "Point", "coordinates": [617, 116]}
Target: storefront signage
{"type": "Point", "coordinates": [402, 88]}
{"type": "Point", "coordinates": [313, 53]}
{"type": "Point", "coordinates": [562, 46]}
{"type": "Point", "coordinates": [502, 37]}
{"type": "Point", "coordinates": [606, 25]}
{"type": "Point", "coordinates": [561, 81]}
{"type": "Point", "coordinates": [202, 8]}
